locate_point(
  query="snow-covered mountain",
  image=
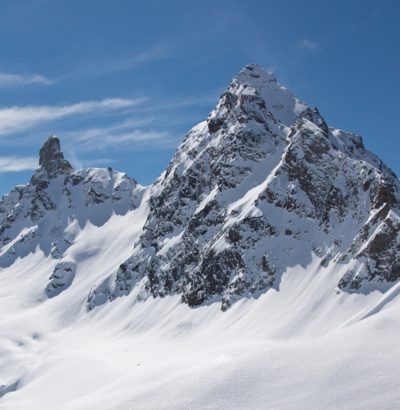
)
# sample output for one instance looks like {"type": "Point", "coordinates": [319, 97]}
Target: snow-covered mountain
{"type": "Point", "coordinates": [262, 185]}
{"type": "Point", "coordinates": [267, 224]}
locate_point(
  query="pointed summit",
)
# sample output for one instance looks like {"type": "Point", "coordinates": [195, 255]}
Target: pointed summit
{"type": "Point", "coordinates": [51, 158]}
{"type": "Point", "coordinates": [255, 94]}
{"type": "Point", "coordinates": [252, 72]}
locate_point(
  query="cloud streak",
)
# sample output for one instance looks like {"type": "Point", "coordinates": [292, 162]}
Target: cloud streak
{"type": "Point", "coordinates": [98, 139]}
{"type": "Point", "coordinates": [20, 118]}
{"type": "Point", "coordinates": [17, 164]}
{"type": "Point", "coordinates": [106, 140]}
{"type": "Point", "coordinates": [153, 54]}
{"type": "Point", "coordinates": [7, 79]}
{"type": "Point", "coordinates": [109, 64]}
{"type": "Point", "coordinates": [309, 45]}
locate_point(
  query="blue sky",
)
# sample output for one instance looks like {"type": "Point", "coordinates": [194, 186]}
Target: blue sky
{"type": "Point", "coordinates": [121, 82]}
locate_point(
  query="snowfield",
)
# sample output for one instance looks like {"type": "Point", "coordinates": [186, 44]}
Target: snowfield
{"type": "Point", "coordinates": [292, 349]}
{"type": "Point", "coordinates": [260, 271]}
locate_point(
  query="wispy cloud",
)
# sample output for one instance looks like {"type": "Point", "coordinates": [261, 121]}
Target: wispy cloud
{"type": "Point", "coordinates": [131, 61]}
{"type": "Point", "coordinates": [109, 64]}
{"type": "Point", "coordinates": [108, 138]}
{"type": "Point", "coordinates": [209, 99]}
{"type": "Point", "coordinates": [146, 125]}
{"type": "Point", "coordinates": [7, 79]}
{"type": "Point", "coordinates": [308, 44]}
{"type": "Point", "coordinates": [19, 118]}
{"type": "Point", "coordinates": [17, 164]}
{"type": "Point", "coordinates": [100, 139]}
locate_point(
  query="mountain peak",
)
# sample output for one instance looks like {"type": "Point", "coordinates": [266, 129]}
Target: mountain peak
{"type": "Point", "coordinates": [252, 72]}
{"type": "Point", "coordinates": [253, 89]}
{"type": "Point", "coordinates": [51, 158]}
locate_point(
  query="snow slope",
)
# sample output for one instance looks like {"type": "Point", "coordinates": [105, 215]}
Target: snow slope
{"type": "Point", "coordinates": [259, 271]}
{"type": "Point", "coordinates": [286, 350]}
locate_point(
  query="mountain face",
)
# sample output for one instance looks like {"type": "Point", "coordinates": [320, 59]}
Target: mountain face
{"type": "Point", "coordinates": [48, 212]}
{"type": "Point", "coordinates": [261, 186]}
{"type": "Point", "coordinates": [261, 267]}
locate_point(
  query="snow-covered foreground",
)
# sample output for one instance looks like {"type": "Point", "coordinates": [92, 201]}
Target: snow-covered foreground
{"type": "Point", "coordinates": [261, 270]}
{"type": "Point", "coordinates": [291, 349]}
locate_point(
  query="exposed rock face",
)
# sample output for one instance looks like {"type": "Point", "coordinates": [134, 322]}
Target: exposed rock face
{"type": "Point", "coordinates": [377, 249]}
{"type": "Point", "coordinates": [261, 186]}
{"type": "Point", "coordinates": [61, 278]}
{"type": "Point", "coordinates": [43, 213]}
{"type": "Point", "coordinates": [51, 158]}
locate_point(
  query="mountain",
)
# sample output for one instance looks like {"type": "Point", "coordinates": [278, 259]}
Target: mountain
{"type": "Point", "coordinates": [262, 185]}
{"type": "Point", "coordinates": [265, 212]}
{"type": "Point", "coordinates": [48, 212]}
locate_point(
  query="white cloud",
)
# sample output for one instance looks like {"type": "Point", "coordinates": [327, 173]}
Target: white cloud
{"type": "Point", "coordinates": [16, 164]}
{"type": "Point", "coordinates": [309, 44]}
{"type": "Point", "coordinates": [128, 131]}
{"type": "Point", "coordinates": [120, 63]}
{"type": "Point", "coordinates": [105, 139]}
{"type": "Point", "coordinates": [98, 139]}
{"type": "Point", "coordinates": [13, 119]}
{"type": "Point", "coordinates": [153, 54]}
{"type": "Point", "coordinates": [7, 79]}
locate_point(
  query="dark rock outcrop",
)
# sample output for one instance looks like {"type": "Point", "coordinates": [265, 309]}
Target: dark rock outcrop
{"type": "Point", "coordinates": [264, 184]}
{"type": "Point", "coordinates": [51, 158]}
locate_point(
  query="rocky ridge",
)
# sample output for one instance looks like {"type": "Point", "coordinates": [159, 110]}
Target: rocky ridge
{"type": "Point", "coordinates": [264, 184]}
{"type": "Point", "coordinates": [48, 212]}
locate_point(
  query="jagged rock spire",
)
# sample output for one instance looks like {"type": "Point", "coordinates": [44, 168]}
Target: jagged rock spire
{"type": "Point", "coordinates": [51, 158]}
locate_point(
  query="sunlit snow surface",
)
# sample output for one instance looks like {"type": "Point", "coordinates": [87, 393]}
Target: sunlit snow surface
{"type": "Point", "coordinates": [292, 349]}
{"type": "Point", "coordinates": [301, 344]}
